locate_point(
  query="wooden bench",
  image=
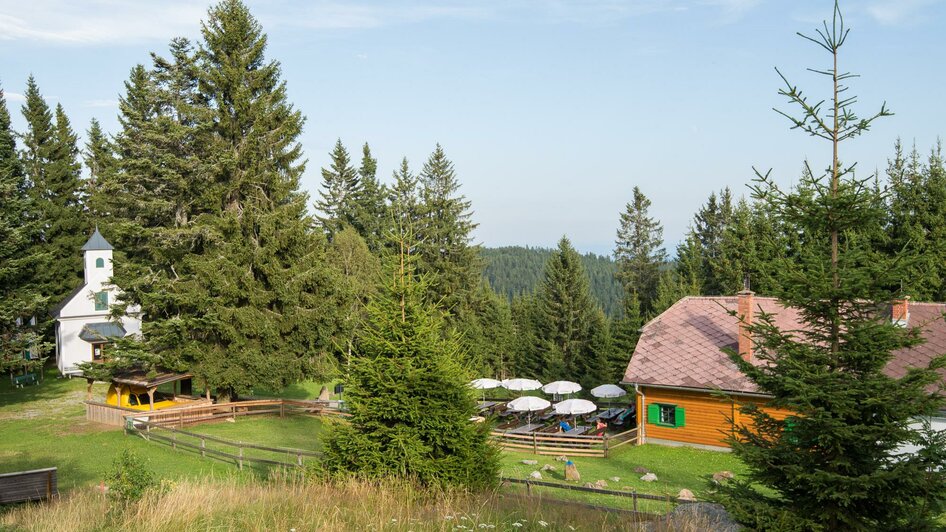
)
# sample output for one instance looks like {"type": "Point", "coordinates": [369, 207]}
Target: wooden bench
{"type": "Point", "coordinates": [23, 486]}
{"type": "Point", "coordinates": [22, 380]}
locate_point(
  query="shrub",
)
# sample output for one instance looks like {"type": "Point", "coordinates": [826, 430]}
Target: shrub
{"type": "Point", "coordinates": [129, 478]}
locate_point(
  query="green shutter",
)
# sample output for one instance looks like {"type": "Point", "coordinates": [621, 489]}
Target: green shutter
{"type": "Point", "coordinates": [679, 417]}
{"type": "Point", "coordinates": [101, 301]}
{"type": "Point", "coordinates": [653, 413]}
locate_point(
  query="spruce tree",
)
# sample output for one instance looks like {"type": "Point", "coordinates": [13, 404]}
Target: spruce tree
{"type": "Point", "coordinates": [371, 210]}
{"type": "Point", "coordinates": [241, 294]}
{"type": "Point", "coordinates": [20, 298]}
{"type": "Point", "coordinates": [341, 190]}
{"type": "Point", "coordinates": [566, 320]}
{"type": "Point", "coordinates": [638, 251]}
{"type": "Point", "coordinates": [834, 463]}
{"type": "Point", "coordinates": [99, 155]}
{"type": "Point", "coordinates": [445, 234]}
{"type": "Point", "coordinates": [404, 197]}
{"type": "Point", "coordinates": [50, 159]}
{"type": "Point", "coordinates": [710, 225]}
{"type": "Point", "coordinates": [408, 396]}
{"type": "Point", "coordinates": [689, 263]}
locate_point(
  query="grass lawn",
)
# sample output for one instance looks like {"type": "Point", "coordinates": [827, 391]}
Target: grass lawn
{"type": "Point", "coordinates": [295, 432]}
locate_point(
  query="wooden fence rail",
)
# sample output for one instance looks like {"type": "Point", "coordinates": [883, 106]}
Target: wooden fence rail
{"type": "Point", "coordinates": [177, 438]}
{"type": "Point", "coordinates": [633, 495]}
{"type": "Point", "coordinates": [561, 444]}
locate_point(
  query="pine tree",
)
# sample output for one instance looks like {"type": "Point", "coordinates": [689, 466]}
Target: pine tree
{"type": "Point", "coordinates": [371, 210]}
{"type": "Point", "coordinates": [99, 156]}
{"type": "Point", "coordinates": [341, 190]}
{"type": "Point", "coordinates": [20, 298]}
{"type": "Point", "coordinates": [445, 229]}
{"type": "Point", "coordinates": [689, 263]}
{"type": "Point", "coordinates": [241, 294]}
{"type": "Point", "coordinates": [565, 321]}
{"type": "Point", "coordinates": [392, 431]}
{"type": "Point", "coordinates": [736, 263]}
{"type": "Point", "coordinates": [834, 464]}
{"type": "Point", "coordinates": [404, 197]}
{"type": "Point", "coordinates": [50, 158]}
{"type": "Point", "coordinates": [710, 225]}
{"type": "Point", "coordinates": [639, 251]}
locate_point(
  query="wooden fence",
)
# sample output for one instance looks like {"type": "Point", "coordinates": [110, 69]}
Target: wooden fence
{"type": "Point", "coordinates": [34, 485]}
{"type": "Point", "coordinates": [115, 415]}
{"type": "Point", "coordinates": [227, 450]}
{"type": "Point", "coordinates": [191, 415]}
{"type": "Point", "coordinates": [554, 444]}
{"type": "Point", "coordinates": [632, 494]}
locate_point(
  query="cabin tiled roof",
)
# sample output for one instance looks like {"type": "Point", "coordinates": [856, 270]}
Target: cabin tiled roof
{"type": "Point", "coordinates": [682, 347]}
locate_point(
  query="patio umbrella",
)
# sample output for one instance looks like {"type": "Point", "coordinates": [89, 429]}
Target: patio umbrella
{"type": "Point", "coordinates": [485, 384]}
{"type": "Point", "coordinates": [571, 407]}
{"type": "Point", "coordinates": [519, 385]}
{"type": "Point", "coordinates": [529, 404]}
{"type": "Point", "coordinates": [561, 387]}
{"type": "Point", "coordinates": [607, 391]}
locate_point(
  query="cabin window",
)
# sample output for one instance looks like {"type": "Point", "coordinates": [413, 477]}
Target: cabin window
{"type": "Point", "coordinates": [100, 262]}
{"type": "Point", "coordinates": [101, 301]}
{"type": "Point", "coordinates": [666, 415]}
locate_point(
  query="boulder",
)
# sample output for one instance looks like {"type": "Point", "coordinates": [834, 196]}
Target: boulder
{"type": "Point", "coordinates": [324, 394]}
{"type": "Point", "coordinates": [571, 472]}
{"type": "Point", "coordinates": [642, 470]}
{"type": "Point", "coordinates": [649, 477]}
{"type": "Point", "coordinates": [590, 485]}
{"type": "Point", "coordinates": [548, 467]}
{"type": "Point", "coordinates": [601, 484]}
{"type": "Point", "coordinates": [561, 459]}
{"type": "Point", "coordinates": [696, 516]}
{"type": "Point", "coordinates": [536, 475]}
{"type": "Point", "coordinates": [530, 462]}
{"type": "Point", "coordinates": [615, 479]}
{"type": "Point", "coordinates": [722, 476]}
{"type": "Point", "coordinates": [686, 495]}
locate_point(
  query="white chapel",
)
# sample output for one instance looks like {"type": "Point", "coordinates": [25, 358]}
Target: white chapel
{"type": "Point", "coordinates": [83, 325]}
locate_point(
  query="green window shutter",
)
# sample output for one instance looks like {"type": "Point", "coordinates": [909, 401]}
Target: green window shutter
{"type": "Point", "coordinates": [679, 417]}
{"type": "Point", "coordinates": [101, 301]}
{"type": "Point", "coordinates": [99, 262]}
{"type": "Point", "coordinates": [653, 414]}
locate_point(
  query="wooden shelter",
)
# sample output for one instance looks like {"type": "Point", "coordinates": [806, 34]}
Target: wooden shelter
{"type": "Point", "coordinates": [141, 378]}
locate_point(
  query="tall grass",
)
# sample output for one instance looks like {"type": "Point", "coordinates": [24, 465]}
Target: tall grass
{"type": "Point", "coordinates": [289, 504]}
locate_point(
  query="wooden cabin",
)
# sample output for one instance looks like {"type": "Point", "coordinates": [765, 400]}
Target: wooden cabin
{"type": "Point", "coordinates": [679, 368]}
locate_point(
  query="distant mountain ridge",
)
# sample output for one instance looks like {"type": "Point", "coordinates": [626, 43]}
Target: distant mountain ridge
{"type": "Point", "coordinates": [517, 270]}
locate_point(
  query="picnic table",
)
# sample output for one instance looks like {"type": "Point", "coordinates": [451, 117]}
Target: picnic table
{"type": "Point", "coordinates": [577, 430]}
{"type": "Point", "coordinates": [609, 414]}
{"type": "Point", "coordinates": [486, 405]}
{"type": "Point", "coordinates": [525, 428]}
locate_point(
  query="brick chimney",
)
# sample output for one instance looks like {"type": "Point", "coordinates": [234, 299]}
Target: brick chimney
{"type": "Point", "coordinates": [744, 313]}
{"type": "Point", "coordinates": [900, 311]}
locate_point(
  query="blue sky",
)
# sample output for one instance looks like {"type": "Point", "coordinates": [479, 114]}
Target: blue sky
{"type": "Point", "coordinates": [552, 111]}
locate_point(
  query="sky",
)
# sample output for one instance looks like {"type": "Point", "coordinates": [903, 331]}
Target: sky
{"type": "Point", "coordinates": [552, 111]}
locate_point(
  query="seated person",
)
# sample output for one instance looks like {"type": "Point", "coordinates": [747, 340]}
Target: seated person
{"type": "Point", "coordinates": [563, 426]}
{"type": "Point", "coordinates": [600, 426]}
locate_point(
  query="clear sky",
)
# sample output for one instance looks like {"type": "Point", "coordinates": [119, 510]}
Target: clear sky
{"type": "Point", "coordinates": [551, 110]}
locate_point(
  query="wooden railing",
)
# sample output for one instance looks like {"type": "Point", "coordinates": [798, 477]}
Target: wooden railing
{"type": "Point", "coordinates": [632, 494]}
{"type": "Point", "coordinates": [181, 417]}
{"type": "Point", "coordinates": [242, 452]}
{"type": "Point", "coordinates": [34, 485]}
{"type": "Point", "coordinates": [550, 443]}
{"type": "Point", "coordinates": [115, 415]}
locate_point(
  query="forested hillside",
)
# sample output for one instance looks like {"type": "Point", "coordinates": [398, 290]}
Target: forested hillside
{"type": "Point", "coordinates": [517, 270]}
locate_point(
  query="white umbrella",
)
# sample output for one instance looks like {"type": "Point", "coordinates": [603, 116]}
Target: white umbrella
{"type": "Point", "coordinates": [528, 403]}
{"type": "Point", "coordinates": [608, 390]}
{"type": "Point", "coordinates": [485, 384]}
{"type": "Point", "coordinates": [521, 384]}
{"type": "Point", "coordinates": [575, 406]}
{"type": "Point", "coordinates": [561, 387]}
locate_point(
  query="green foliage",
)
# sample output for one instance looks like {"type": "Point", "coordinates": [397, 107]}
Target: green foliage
{"type": "Point", "coordinates": [50, 161]}
{"type": "Point", "coordinates": [516, 271]}
{"type": "Point", "coordinates": [130, 478]}
{"type": "Point", "coordinates": [838, 467]}
{"type": "Point", "coordinates": [341, 189]}
{"type": "Point", "coordinates": [408, 396]}
{"type": "Point", "coordinates": [567, 324]}
{"type": "Point", "coordinates": [20, 297]}
{"type": "Point", "coordinates": [639, 252]}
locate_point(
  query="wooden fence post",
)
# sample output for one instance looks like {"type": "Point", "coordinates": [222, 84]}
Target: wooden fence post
{"type": "Point", "coordinates": [241, 457]}
{"type": "Point", "coordinates": [634, 499]}
{"type": "Point", "coordinates": [605, 445]}
{"type": "Point", "coordinates": [535, 445]}
{"type": "Point", "coordinates": [180, 419]}
{"type": "Point", "coordinates": [282, 407]}
{"type": "Point", "coordinates": [203, 446]}
{"type": "Point", "coordinates": [299, 459]}
{"type": "Point", "coordinates": [174, 440]}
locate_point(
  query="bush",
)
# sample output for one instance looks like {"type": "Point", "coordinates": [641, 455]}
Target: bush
{"type": "Point", "coordinates": [129, 478]}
